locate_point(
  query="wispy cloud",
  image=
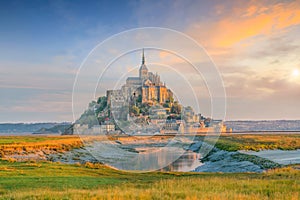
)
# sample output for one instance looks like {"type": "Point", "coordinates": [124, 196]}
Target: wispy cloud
{"type": "Point", "coordinates": [245, 21]}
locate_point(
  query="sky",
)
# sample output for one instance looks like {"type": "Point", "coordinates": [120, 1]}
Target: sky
{"type": "Point", "coordinates": [254, 44]}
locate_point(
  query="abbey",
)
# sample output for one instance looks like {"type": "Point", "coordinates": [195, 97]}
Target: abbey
{"type": "Point", "coordinates": [146, 88]}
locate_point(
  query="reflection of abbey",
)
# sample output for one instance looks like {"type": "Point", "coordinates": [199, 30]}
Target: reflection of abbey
{"type": "Point", "coordinates": [147, 86]}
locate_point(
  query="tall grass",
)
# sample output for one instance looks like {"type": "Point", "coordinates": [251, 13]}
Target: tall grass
{"type": "Point", "coordinates": [185, 188]}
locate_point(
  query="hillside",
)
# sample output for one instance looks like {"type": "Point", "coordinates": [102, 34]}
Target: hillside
{"type": "Point", "coordinates": [27, 127]}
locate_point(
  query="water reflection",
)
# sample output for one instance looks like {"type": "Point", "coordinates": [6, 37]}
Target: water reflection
{"type": "Point", "coordinates": [146, 158]}
{"type": "Point", "coordinates": [185, 163]}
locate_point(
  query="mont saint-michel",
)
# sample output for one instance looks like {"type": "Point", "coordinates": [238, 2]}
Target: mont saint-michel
{"type": "Point", "coordinates": [143, 105]}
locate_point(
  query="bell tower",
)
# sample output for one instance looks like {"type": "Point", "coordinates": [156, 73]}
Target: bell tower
{"type": "Point", "coordinates": [143, 71]}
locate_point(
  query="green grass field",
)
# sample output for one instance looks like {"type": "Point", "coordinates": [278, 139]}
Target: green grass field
{"type": "Point", "coordinates": [256, 142]}
{"type": "Point", "coordinates": [46, 180]}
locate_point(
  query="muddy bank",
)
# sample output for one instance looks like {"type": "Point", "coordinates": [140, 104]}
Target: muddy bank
{"type": "Point", "coordinates": [223, 161]}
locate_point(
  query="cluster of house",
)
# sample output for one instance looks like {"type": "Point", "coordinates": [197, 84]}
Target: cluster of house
{"type": "Point", "coordinates": [106, 128]}
{"type": "Point", "coordinates": [189, 122]}
{"type": "Point", "coordinates": [159, 125]}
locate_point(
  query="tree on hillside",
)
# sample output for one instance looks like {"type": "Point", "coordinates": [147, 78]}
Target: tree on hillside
{"type": "Point", "coordinates": [144, 109]}
{"type": "Point", "coordinates": [139, 99]}
{"type": "Point", "coordinates": [176, 108]}
{"type": "Point", "coordinates": [101, 104]}
{"type": "Point", "coordinates": [170, 100]}
{"type": "Point", "coordinates": [135, 110]}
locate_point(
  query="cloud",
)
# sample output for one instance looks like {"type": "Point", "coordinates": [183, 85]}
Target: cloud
{"type": "Point", "coordinates": [262, 86]}
{"type": "Point", "coordinates": [262, 96]}
{"type": "Point", "coordinates": [277, 46]}
{"type": "Point", "coordinates": [20, 104]}
{"type": "Point", "coordinates": [245, 21]}
{"type": "Point", "coordinates": [58, 74]}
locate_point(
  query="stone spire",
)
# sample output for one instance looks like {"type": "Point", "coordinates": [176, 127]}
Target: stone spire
{"type": "Point", "coordinates": [143, 69]}
{"type": "Point", "coordinates": [143, 58]}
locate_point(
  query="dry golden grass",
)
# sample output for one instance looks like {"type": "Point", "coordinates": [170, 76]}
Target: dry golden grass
{"type": "Point", "coordinates": [30, 144]}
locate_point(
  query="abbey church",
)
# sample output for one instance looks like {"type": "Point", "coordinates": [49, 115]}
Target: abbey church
{"type": "Point", "coordinates": [146, 86]}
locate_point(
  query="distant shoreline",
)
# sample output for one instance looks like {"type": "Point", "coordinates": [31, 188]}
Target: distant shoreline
{"type": "Point", "coordinates": [267, 131]}
{"type": "Point", "coordinates": [141, 135]}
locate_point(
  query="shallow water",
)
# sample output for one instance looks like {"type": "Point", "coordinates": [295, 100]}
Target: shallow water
{"type": "Point", "coordinates": [147, 157]}
{"type": "Point", "coordinates": [189, 161]}
{"type": "Point", "coordinates": [278, 156]}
